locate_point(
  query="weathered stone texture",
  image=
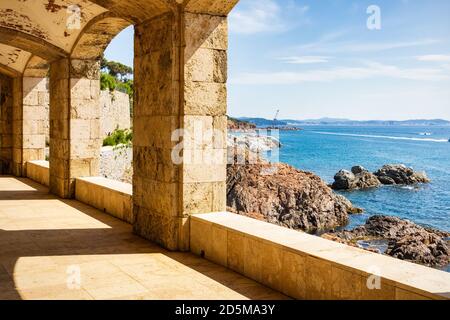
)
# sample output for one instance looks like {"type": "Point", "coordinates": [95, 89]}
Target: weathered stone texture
{"type": "Point", "coordinates": [115, 111]}
{"type": "Point", "coordinates": [180, 76]}
{"type": "Point", "coordinates": [29, 121]}
{"type": "Point", "coordinates": [74, 123]}
{"type": "Point", "coordinates": [6, 106]}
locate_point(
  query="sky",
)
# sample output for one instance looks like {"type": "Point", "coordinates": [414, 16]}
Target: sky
{"type": "Point", "coordinates": [334, 58]}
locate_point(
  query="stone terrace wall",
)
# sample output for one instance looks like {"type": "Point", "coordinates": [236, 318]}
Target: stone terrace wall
{"type": "Point", "coordinates": [115, 111]}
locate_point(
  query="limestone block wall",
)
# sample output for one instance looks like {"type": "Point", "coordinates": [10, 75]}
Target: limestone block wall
{"type": "Point", "coordinates": [28, 122]}
{"type": "Point", "coordinates": [304, 266]}
{"type": "Point", "coordinates": [38, 171]}
{"type": "Point", "coordinates": [112, 197]}
{"type": "Point", "coordinates": [205, 105]}
{"type": "Point", "coordinates": [115, 114]}
{"type": "Point", "coordinates": [180, 76]}
{"type": "Point", "coordinates": [74, 123]}
{"type": "Point", "coordinates": [156, 192]}
{"type": "Point", "coordinates": [6, 109]}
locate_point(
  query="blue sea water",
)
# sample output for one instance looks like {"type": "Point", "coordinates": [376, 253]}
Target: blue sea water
{"type": "Point", "coordinates": [325, 150]}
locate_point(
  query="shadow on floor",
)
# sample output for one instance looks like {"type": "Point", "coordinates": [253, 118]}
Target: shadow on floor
{"type": "Point", "coordinates": [112, 237]}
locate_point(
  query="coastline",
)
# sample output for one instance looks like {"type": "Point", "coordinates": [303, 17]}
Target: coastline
{"type": "Point", "coordinates": [251, 141]}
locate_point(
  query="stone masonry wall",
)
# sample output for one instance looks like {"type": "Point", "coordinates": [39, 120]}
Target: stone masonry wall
{"type": "Point", "coordinates": [74, 123]}
{"type": "Point", "coordinates": [115, 111]}
{"type": "Point", "coordinates": [29, 120]}
{"type": "Point", "coordinates": [6, 104]}
{"type": "Point", "coordinates": [180, 76]}
{"type": "Point", "coordinates": [156, 115]}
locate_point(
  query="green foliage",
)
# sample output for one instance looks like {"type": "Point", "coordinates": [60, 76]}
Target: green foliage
{"type": "Point", "coordinates": [119, 137]}
{"type": "Point", "coordinates": [114, 76]}
{"type": "Point", "coordinates": [126, 87]}
{"type": "Point", "coordinates": [107, 82]}
{"type": "Point", "coordinates": [116, 69]}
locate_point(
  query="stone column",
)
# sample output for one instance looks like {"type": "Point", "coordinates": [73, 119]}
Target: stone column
{"type": "Point", "coordinates": [74, 123]}
{"type": "Point", "coordinates": [180, 76]}
{"type": "Point", "coordinates": [6, 107]}
{"type": "Point", "coordinates": [30, 97]}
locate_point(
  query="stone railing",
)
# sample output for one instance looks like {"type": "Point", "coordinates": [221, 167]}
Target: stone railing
{"type": "Point", "coordinates": [39, 171]}
{"type": "Point", "coordinates": [297, 264]}
{"type": "Point", "coordinates": [304, 266]}
{"type": "Point", "coordinates": [112, 197]}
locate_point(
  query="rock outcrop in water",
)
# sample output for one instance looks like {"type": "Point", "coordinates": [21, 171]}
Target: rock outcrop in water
{"type": "Point", "coordinates": [393, 174]}
{"type": "Point", "coordinates": [283, 195]}
{"type": "Point", "coordinates": [400, 174]}
{"type": "Point", "coordinates": [358, 178]}
{"type": "Point", "coordinates": [406, 240]}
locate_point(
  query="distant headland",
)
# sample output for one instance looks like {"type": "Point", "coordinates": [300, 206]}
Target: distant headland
{"type": "Point", "coordinates": [261, 122]}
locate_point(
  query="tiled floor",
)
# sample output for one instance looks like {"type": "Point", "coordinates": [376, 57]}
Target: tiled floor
{"type": "Point", "coordinates": [62, 249]}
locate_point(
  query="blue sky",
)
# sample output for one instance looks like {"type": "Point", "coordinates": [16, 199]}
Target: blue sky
{"type": "Point", "coordinates": [317, 58]}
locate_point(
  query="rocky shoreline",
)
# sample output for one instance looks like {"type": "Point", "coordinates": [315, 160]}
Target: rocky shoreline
{"type": "Point", "coordinates": [405, 240]}
{"type": "Point", "coordinates": [283, 195]}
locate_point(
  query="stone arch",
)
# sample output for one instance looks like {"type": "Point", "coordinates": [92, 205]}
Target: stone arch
{"type": "Point", "coordinates": [138, 11]}
{"type": "Point", "coordinates": [32, 44]}
{"type": "Point", "coordinates": [36, 67]}
{"type": "Point", "coordinates": [97, 35]}
{"type": "Point", "coordinates": [180, 80]}
{"type": "Point", "coordinates": [8, 71]}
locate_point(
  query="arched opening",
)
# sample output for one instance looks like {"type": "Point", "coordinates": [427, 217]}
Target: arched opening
{"type": "Point", "coordinates": [173, 42]}
{"type": "Point", "coordinates": [116, 100]}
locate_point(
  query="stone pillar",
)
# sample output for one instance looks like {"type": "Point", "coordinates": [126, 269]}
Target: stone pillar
{"type": "Point", "coordinates": [74, 123]}
{"type": "Point", "coordinates": [180, 76]}
{"type": "Point", "coordinates": [6, 107]}
{"type": "Point", "coordinates": [30, 97]}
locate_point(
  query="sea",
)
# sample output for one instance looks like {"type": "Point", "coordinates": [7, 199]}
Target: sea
{"type": "Point", "coordinates": [324, 150]}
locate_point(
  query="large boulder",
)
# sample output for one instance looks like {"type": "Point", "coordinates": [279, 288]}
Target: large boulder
{"type": "Point", "coordinates": [281, 194]}
{"type": "Point", "coordinates": [406, 240]}
{"type": "Point", "coordinates": [358, 178]}
{"type": "Point", "coordinates": [400, 174]}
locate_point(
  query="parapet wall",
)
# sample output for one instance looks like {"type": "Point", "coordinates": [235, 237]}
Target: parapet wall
{"type": "Point", "coordinates": [308, 267]}
{"type": "Point", "coordinates": [112, 197]}
{"type": "Point", "coordinates": [109, 196]}
{"type": "Point", "coordinates": [39, 171]}
{"type": "Point", "coordinates": [297, 264]}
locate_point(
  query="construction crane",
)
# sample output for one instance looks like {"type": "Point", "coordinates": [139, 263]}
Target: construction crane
{"type": "Point", "coordinates": [276, 115]}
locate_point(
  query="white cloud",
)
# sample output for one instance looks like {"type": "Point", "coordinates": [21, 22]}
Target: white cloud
{"type": "Point", "coordinates": [434, 58]}
{"type": "Point", "coordinates": [367, 71]}
{"type": "Point", "coordinates": [324, 45]}
{"type": "Point", "coordinates": [256, 16]}
{"type": "Point", "coordinates": [305, 59]}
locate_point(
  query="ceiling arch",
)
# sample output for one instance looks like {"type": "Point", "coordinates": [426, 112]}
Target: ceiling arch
{"type": "Point", "coordinates": [13, 59]}
{"type": "Point", "coordinates": [97, 35]}
{"type": "Point", "coordinates": [31, 44]}
{"type": "Point", "coordinates": [36, 67]}
{"type": "Point", "coordinates": [41, 31]}
{"type": "Point", "coordinates": [57, 22]}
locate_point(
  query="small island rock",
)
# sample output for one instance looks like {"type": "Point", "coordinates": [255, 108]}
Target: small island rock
{"type": "Point", "coordinates": [358, 178]}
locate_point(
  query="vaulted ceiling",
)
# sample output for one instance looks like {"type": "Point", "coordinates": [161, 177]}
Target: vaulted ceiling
{"type": "Point", "coordinates": [35, 31]}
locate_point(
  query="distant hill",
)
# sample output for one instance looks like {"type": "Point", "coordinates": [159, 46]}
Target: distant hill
{"type": "Point", "coordinates": [261, 122]}
{"type": "Point", "coordinates": [236, 124]}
